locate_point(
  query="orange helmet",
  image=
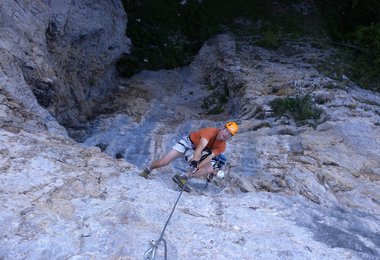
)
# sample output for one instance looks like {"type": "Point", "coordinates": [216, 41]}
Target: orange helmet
{"type": "Point", "coordinates": [232, 127]}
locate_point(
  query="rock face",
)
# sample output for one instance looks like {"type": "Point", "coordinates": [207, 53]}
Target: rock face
{"type": "Point", "coordinates": [292, 191]}
{"type": "Point", "coordinates": [329, 166]}
{"type": "Point", "coordinates": [63, 51]}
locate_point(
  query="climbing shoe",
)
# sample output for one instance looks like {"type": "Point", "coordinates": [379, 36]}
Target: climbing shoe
{"type": "Point", "coordinates": [145, 173]}
{"type": "Point", "coordinates": [181, 181]}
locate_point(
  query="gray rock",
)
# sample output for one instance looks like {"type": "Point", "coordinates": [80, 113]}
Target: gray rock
{"type": "Point", "coordinates": [304, 194]}
{"type": "Point", "coordinates": [64, 57]}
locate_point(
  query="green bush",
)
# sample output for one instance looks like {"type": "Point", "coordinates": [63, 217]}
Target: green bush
{"type": "Point", "coordinates": [299, 108]}
{"type": "Point", "coordinates": [367, 37]}
{"type": "Point", "coordinates": [167, 34]}
{"type": "Point", "coordinates": [216, 101]}
{"type": "Point", "coordinates": [359, 58]}
{"type": "Point", "coordinates": [365, 65]}
{"type": "Point", "coordinates": [354, 25]}
{"type": "Point", "coordinates": [343, 16]}
{"type": "Point", "coordinates": [270, 40]}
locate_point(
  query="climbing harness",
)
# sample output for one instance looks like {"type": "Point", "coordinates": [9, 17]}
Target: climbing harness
{"type": "Point", "coordinates": [150, 253]}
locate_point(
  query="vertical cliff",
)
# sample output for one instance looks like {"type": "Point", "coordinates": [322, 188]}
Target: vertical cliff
{"type": "Point", "coordinates": [61, 52]}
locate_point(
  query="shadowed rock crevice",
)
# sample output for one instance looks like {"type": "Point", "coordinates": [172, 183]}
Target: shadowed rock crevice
{"type": "Point", "coordinates": [67, 53]}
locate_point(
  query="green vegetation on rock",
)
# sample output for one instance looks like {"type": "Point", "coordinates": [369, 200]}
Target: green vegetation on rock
{"type": "Point", "coordinates": [299, 108]}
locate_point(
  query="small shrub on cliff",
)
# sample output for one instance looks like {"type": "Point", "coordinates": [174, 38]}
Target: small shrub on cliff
{"type": "Point", "coordinates": [366, 64]}
{"type": "Point", "coordinates": [216, 101]}
{"type": "Point", "coordinates": [355, 25]}
{"type": "Point", "coordinates": [300, 108]}
{"type": "Point", "coordinates": [270, 40]}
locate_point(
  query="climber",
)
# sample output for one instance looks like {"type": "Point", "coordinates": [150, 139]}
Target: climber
{"type": "Point", "coordinates": [199, 148]}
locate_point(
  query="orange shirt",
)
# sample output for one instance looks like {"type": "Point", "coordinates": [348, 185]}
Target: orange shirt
{"type": "Point", "coordinates": [216, 146]}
